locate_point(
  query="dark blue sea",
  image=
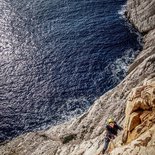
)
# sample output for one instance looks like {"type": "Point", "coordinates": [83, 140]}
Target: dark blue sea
{"type": "Point", "coordinates": [57, 57]}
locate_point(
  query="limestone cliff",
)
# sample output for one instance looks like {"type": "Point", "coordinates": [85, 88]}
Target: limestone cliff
{"type": "Point", "coordinates": [84, 135]}
{"type": "Point", "coordinates": [139, 129]}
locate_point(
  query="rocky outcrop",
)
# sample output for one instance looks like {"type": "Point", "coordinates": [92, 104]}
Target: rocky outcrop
{"type": "Point", "coordinates": [84, 135]}
{"type": "Point", "coordinates": [139, 132]}
{"type": "Point", "coordinates": [142, 14]}
{"type": "Point", "coordinates": [140, 112]}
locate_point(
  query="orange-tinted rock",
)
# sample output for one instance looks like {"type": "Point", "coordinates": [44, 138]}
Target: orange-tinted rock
{"type": "Point", "coordinates": [139, 113]}
{"type": "Point", "coordinates": [134, 121]}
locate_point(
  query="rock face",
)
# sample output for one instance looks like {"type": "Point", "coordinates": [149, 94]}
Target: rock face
{"type": "Point", "coordinates": [84, 135]}
{"type": "Point", "coordinates": [142, 14]}
{"type": "Point", "coordinates": [144, 145]}
{"type": "Point", "coordinates": [140, 112]}
{"type": "Point", "coordinates": [139, 132]}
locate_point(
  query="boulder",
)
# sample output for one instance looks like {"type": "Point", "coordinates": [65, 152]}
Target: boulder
{"type": "Point", "coordinates": [139, 112]}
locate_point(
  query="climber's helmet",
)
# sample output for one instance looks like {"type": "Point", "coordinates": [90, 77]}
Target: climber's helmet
{"type": "Point", "coordinates": [110, 120]}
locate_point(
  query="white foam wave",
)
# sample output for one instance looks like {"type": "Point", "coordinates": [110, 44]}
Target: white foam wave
{"type": "Point", "coordinates": [120, 67]}
{"type": "Point", "coordinates": [73, 107]}
{"type": "Point", "coordinates": [122, 11]}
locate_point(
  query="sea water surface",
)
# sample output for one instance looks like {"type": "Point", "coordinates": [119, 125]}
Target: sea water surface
{"type": "Point", "coordinates": [57, 57]}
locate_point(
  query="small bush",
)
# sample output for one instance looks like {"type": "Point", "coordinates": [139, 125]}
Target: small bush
{"type": "Point", "coordinates": [68, 138]}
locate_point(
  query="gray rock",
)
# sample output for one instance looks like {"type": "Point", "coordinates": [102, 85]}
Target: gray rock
{"type": "Point", "coordinates": [89, 126]}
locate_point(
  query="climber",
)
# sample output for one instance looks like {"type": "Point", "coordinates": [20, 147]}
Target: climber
{"type": "Point", "coordinates": [111, 132]}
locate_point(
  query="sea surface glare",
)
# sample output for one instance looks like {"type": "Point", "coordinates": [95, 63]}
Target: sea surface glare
{"type": "Point", "coordinates": [57, 57]}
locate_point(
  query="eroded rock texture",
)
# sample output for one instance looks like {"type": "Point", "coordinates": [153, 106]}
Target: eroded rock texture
{"type": "Point", "coordinates": [140, 112]}
{"type": "Point", "coordinates": [139, 132]}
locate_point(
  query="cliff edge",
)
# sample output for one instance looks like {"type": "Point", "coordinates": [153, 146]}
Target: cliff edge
{"type": "Point", "coordinates": [84, 135]}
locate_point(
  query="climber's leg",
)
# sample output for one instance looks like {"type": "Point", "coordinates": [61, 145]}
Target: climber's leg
{"type": "Point", "coordinates": [106, 143]}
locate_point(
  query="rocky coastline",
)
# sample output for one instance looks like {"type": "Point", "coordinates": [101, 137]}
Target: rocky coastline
{"type": "Point", "coordinates": [132, 103]}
